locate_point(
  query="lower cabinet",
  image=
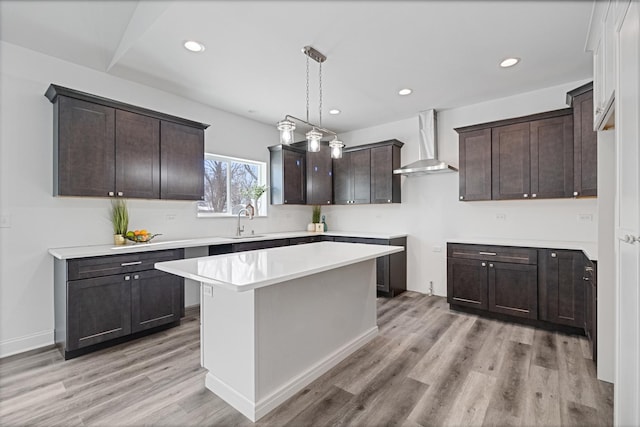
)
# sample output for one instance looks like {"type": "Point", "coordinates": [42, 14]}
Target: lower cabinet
{"type": "Point", "coordinates": [548, 287]}
{"type": "Point", "coordinates": [104, 300]}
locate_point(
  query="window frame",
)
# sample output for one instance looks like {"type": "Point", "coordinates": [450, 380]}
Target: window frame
{"type": "Point", "coordinates": [262, 180]}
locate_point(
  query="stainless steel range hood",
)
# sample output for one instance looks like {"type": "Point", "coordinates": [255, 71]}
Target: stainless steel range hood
{"type": "Point", "coordinates": [428, 149]}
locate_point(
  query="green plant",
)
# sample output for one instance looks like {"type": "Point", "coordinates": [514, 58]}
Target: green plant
{"type": "Point", "coordinates": [119, 216]}
{"type": "Point", "coordinates": [315, 214]}
{"type": "Point", "coordinates": [254, 192]}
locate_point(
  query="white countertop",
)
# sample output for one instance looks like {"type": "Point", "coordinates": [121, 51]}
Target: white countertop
{"type": "Point", "coordinates": [589, 248]}
{"type": "Point", "coordinates": [159, 244]}
{"type": "Point", "coordinates": [243, 271]}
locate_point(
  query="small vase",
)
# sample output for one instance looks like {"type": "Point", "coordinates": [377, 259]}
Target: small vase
{"type": "Point", "coordinates": [311, 227]}
{"type": "Point", "coordinates": [119, 240]}
{"type": "Point", "coordinates": [319, 227]}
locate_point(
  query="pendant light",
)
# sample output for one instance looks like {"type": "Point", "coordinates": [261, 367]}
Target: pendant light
{"type": "Point", "coordinates": [315, 135]}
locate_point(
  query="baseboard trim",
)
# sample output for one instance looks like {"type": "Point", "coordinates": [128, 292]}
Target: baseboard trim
{"type": "Point", "coordinates": [25, 343]}
{"type": "Point", "coordinates": [256, 410]}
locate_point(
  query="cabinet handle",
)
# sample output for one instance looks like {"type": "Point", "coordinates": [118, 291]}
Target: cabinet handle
{"type": "Point", "coordinates": [588, 269]}
{"type": "Point", "coordinates": [110, 193]}
{"type": "Point", "coordinates": [525, 195]}
{"type": "Point", "coordinates": [328, 202]}
{"type": "Point", "coordinates": [575, 194]}
{"type": "Point", "coordinates": [461, 197]}
{"type": "Point", "coordinates": [484, 264]}
{"type": "Point", "coordinates": [586, 279]}
{"type": "Point", "coordinates": [553, 255]}
{"type": "Point", "coordinates": [126, 264]}
{"type": "Point", "coordinates": [487, 253]}
{"type": "Point", "coordinates": [534, 195]}
{"type": "Point", "coordinates": [136, 276]}
{"type": "Point", "coordinates": [127, 277]}
{"type": "Point", "coordinates": [388, 200]}
{"type": "Point", "coordinates": [120, 193]}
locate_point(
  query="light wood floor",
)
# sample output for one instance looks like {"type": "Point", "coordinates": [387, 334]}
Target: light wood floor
{"type": "Point", "coordinates": [428, 367]}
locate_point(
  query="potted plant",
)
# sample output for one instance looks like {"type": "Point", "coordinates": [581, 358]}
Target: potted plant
{"type": "Point", "coordinates": [315, 219]}
{"type": "Point", "coordinates": [119, 220]}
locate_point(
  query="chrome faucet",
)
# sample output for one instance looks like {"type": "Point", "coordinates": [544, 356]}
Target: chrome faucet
{"type": "Point", "coordinates": [248, 211]}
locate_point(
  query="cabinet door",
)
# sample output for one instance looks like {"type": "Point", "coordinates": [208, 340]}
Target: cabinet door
{"type": "Point", "coordinates": [182, 162]}
{"type": "Point", "coordinates": [467, 283]}
{"type": "Point", "coordinates": [385, 186]}
{"type": "Point", "coordinates": [137, 156]}
{"type": "Point", "coordinates": [360, 163]}
{"type": "Point", "coordinates": [561, 288]}
{"type": "Point", "coordinates": [98, 310]}
{"type": "Point", "coordinates": [585, 154]}
{"type": "Point", "coordinates": [475, 165]}
{"type": "Point", "coordinates": [319, 177]}
{"type": "Point", "coordinates": [552, 157]}
{"type": "Point", "coordinates": [510, 161]}
{"type": "Point", "coordinates": [342, 183]}
{"type": "Point", "coordinates": [84, 149]}
{"type": "Point", "coordinates": [155, 299]}
{"type": "Point", "coordinates": [513, 289]}
{"type": "Point", "coordinates": [294, 185]}
{"type": "Point", "coordinates": [383, 281]}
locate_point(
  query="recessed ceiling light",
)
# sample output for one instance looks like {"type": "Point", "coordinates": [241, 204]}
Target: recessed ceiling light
{"type": "Point", "coordinates": [334, 111]}
{"type": "Point", "coordinates": [194, 46]}
{"type": "Point", "coordinates": [405, 91]}
{"type": "Point", "coordinates": [509, 62]}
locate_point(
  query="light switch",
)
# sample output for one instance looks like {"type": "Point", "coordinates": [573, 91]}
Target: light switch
{"type": "Point", "coordinates": [585, 218]}
{"type": "Point", "coordinates": [501, 217]}
{"type": "Point", "coordinates": [5, 220]}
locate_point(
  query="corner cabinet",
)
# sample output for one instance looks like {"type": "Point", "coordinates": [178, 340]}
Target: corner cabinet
{"type": "Point", "coordinates": [105, 148]}
{"type": "Point", "coordinates": [475, 165]}
{"type": "Point", "coordinates": [101, 301]}
{"type": "Point", "coordinates": [288, 175]}
{"type": "Point", "coordinates": [585, 142]}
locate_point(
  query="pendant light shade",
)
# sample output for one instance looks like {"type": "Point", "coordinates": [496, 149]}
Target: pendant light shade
{"type": "Point", "coordinates": [313, 140]}
{"type": "Point", "coordinates": [286, 128]}
{"type": "Point", "coordinates": [336, 148]}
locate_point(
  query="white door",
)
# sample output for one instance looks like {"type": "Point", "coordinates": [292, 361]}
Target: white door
{"type": "Point", "coordinates": [627, 110]}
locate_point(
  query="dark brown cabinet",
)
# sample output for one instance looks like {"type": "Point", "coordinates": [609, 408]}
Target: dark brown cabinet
{"type": "Point", "coordinates": [105, 148]}
{"type": "Point", "coordinates": [510, 161]}
{"type": "Point", "coordinates": [84, 151]}
{"type": "Point", "coordinates": [288, 175]}
{"type": "Point", "coordinates": [546, 155]}
{"type": "Point", "coordinates": [591, 307]}
{"type": "Point", "coordinates": [391, 270]}
{"type": "Point", "coordinates": [475, 165]}
{"type": "Point", "coordinates": [552, 157]}
{"type": "Point", "coordinates": [493, 278]}
{"type": "Point", "coordinates": [320, 176]}
{"type": "Point", "coordinates": [100, 301]}
{"type": "Point", "coordinates": [562, 287]}
{"type": "Point", "coordinates": [585, 154]}
{"type": "Point", "coordinates": [182, 162]}
{"type": "Point", "coordinates": [385, 185]}
{"type": "Point", "coordinates": [137, 151]}
{"type": "Point", "coordinates": [352, 177]}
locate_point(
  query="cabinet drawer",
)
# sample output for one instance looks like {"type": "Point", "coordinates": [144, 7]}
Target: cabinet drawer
{"type": "Point", "coordinates": [493, 253]}
{"type": "Point", "coordinates": [85, 268]}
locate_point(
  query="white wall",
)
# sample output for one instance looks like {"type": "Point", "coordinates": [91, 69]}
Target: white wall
{"type": "Point", "coordinates": [430, 211]}
{"type": "Point", "coordinates": [40, 221]}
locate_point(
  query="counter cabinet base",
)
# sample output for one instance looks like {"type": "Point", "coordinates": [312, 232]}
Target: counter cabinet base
{"type": "Point", "coordinates": [262, 346]}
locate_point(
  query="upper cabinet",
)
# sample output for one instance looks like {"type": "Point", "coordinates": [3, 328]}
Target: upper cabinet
{"type": "Point", "coordinates": [585, 141]}
{"type": "Point", "coordinates": [288, 175]}
{"type": "Point", "coordinates": [545, 155]}
{"type": "Point", "coordinates": [320, 176]}
{"type": "Point", "coordinates": [385, 186]}
{"type": "Point", "coordinates": [352, 177]}
{"type": "Point", "coordinates": [105, 148]}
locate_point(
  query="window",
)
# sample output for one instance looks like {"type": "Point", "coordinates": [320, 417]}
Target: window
{"type": "Point", "coordinates": [230, 184]}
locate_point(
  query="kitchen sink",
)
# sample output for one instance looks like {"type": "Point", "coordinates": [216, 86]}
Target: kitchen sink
{"type": "Point", "coordinates": [251, 236]}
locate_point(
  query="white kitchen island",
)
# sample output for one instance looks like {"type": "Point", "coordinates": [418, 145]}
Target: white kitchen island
{"type": "Point", "coordinates": [273, 320]}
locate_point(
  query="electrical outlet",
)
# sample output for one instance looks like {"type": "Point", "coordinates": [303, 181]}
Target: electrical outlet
{"type": "Point", "coordinates": [207, 290]}
{"type": "Point", "coordinates": [585, 217]}
{"type": "Point", "coordinates": [171, 217]}
{"type": "Point", "coordinates": [437, 249]}
{"type": "Point", "coordinates": [501, 217]}
{"type": "Point", "coordinates": [5, 220]}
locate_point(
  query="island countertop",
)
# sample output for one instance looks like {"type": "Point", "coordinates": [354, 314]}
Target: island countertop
{"type": "Point", "coordinates": [244, 271]}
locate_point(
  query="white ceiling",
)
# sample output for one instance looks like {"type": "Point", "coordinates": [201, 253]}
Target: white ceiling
{"type": "Point", "coordinates": [446, 51]}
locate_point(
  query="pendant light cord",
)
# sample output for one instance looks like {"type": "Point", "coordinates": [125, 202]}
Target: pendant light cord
{"type": "Point", "coordinates": [307, 88]}
{"type": "Point", "coordinates": [320, 78]}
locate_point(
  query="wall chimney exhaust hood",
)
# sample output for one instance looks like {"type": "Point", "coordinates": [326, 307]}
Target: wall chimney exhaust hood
{"type": "Point", "coordinates": [428, 149]}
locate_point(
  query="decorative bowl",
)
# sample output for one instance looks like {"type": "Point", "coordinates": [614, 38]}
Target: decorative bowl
{"type": "Point", "coordinates": [140, 237]}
